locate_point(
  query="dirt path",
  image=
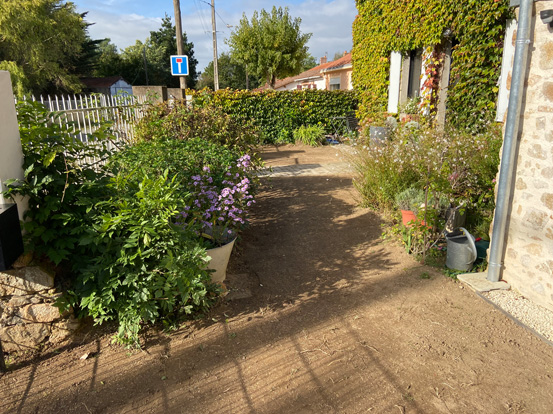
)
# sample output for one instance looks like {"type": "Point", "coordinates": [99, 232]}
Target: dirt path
{"type": "Point", "coordinates": [323, 317]}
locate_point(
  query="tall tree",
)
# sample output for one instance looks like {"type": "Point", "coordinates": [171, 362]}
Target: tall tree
{"type": "Point", "coordinates": [43, 40]}
{"type": "Point", "coordinates": [109, 62]}
{"type": "Point", "coordinates": [166, 38]}
{"type": "Point", "coordinates": [231, 74]}
{"type": "Point", "coordinates": [271, 44]}
{"type": "Point", "coordinates": [144, 59]}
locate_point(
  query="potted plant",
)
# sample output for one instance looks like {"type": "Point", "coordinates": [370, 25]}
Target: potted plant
{"type": "Point", "coordinates": [216, 212]}
{"type": "Point", "coordinates": [409, 202]}
{"type": "Point", "coordinates": [409, 110]}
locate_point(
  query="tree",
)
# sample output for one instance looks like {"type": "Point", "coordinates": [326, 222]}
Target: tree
{"type": "Point", "coordinates": [166, 38]}
{"type": "Point", "coordinates": [43, 40]}
{"type": "Point", "coordinates": [308, 63]}
{"type": "Point", "coordinates": [231, 74]}
{"type": "Point", "coordinates": [271, 45]}
{"type": "Point", "coordinates": [133, 65]}
{"type": "Point", "coordinates": [109, 61]}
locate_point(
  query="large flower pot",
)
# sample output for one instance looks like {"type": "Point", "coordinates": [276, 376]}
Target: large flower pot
{"type": "Point", "coordinates": [219, 261]}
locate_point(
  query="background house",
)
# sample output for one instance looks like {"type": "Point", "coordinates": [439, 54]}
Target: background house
{"type": "Point", "coordinates": [111, 85]}
{"type": "Point", "coordinates": [335, 75]}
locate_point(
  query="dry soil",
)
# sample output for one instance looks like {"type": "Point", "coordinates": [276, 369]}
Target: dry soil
{"type": "Point", "coordinates": [323, 316]}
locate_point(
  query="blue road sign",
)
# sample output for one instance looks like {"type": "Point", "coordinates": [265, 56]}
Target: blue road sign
{"type": "Point", "coordinates": [179, 65]}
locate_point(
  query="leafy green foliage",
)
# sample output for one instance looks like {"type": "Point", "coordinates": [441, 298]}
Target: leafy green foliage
{"type": "Point", "coordinates": [181, 122]}
{"type": "Point", "coordinates": [43, 38]}
{"type": "Point", "coordinates": [113, 226]}
{"type": "Point", "coordinates": [142, 268]}
{"type": "Point", "coordinates": [313, 135]}
{"type": "Point", "coordinates": [181, 158]}
{"type": "Point", "coordinates": [477, 26]}
{"type": "Point", "coordinates": [271, 44]}
{"type": "Point", "coordinates": [278, 113]}
{"type": "Point", "coordinates": [61, 181]}
{"type": "Point", "coordinates": [453, 164]}
{"type": "Point", "coordinates": [231, 75]}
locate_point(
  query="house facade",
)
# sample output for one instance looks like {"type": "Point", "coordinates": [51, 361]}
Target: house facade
{"type": "Point", "coordinates": [528, 260]}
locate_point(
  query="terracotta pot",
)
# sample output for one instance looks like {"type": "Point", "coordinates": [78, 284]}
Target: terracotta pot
{"type": "Point", "coordinates": [407, 216]}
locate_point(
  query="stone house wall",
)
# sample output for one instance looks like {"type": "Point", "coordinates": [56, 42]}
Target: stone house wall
{"type": "Point", "coordinates": [529, 251]}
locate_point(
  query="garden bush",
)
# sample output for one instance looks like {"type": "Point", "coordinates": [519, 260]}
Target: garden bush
{"type": "Point", "coordinates": [176, 120]}
{"type": "Point", "coordinates": [119, 227]}
{"type": "Point", "coordinates": [278, 113]}
{"type": "Point", "coordinates": [140, 267]}
{"type": "Point", "coordinates": [449, 164]}
{"type": "Point", "coordinates": [313, 135]}
{"type": "Point", "coordinates": [62, 179]}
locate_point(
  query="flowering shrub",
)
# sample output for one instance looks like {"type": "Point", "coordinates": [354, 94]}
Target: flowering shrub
{"type": "Point", "coordinates": [220, 209]}
{"type": "Point", "coordinates": [449, 163]}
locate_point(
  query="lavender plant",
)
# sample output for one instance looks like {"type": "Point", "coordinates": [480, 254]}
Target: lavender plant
{"type": "Point", "coordinates": [219, 210]}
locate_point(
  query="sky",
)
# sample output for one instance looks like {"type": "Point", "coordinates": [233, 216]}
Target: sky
{"type": "Point", "coordinates": [125, 21]}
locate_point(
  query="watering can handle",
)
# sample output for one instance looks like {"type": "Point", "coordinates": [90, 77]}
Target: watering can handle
{"type": "Point", "coordinates": [471, 242]}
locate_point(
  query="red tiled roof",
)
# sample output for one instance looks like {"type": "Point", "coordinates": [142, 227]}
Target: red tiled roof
{"type": "Point", "coordinates": [316, 71]}
{"type": "Point", "coordinates": [339, 63]}
{"type": "Point", "coordinates": [100, 82]}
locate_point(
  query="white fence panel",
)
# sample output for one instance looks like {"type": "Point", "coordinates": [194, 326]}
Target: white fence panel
{"type": "Point", "coordinates": [83, 114]}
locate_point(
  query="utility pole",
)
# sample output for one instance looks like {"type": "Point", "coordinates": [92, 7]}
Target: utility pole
{"type": "Point", "coordinates": [178, 28]}
{"type": "Point", "coordinates": [215, 68]}
{"type": "Point", "coordinates": [145, 64]}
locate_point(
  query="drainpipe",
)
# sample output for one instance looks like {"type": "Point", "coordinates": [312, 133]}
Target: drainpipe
{"type": "Point", "coordinates": [508, 162]}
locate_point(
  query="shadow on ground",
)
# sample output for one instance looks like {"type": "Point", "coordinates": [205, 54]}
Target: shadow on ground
{"type": "Point", "coordinates": [337, 322]}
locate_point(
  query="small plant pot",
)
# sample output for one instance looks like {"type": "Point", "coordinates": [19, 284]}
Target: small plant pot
{"type": "Point", "coordinates": [408, 217]}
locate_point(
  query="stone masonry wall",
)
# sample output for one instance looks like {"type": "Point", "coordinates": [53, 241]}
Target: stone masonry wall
{"type": "Point", "coordinates": [28, 319]}
{"type": "Point", "coordinates": [529, 254]}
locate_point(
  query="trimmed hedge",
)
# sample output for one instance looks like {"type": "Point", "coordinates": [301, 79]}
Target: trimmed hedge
{"type": "Point", "coordinates": [279, 113]}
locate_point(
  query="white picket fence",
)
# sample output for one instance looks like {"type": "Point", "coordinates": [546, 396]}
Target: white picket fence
{"type": "Point", "coordinates": [83, 113]}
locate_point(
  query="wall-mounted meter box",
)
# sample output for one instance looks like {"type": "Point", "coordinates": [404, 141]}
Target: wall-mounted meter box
{"type": "Point", "coordinates": [11, 241]}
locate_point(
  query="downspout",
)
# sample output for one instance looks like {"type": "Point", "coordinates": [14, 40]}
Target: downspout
{"type": "Point", "coordinates": [508, 162]}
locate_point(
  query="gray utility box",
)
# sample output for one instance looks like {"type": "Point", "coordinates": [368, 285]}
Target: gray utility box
{"type": "Point", "coordinates": [11, 241]}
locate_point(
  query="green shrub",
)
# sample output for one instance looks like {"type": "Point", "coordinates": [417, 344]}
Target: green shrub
{"type": "Point", "coordinates": [219, 181]}
{"type": "Point", "coordinates": [313, 135]}
{"type": "Point", "coordinates": [454, 166]}
{"type": "Point", "coordinates": [62, 179]}
{"type": "Point", "coordinates": [178, 121]}
{"type": "Point", "coordinates": [140, 267]}
{"type": "Point", "coordinates": [278, 113]}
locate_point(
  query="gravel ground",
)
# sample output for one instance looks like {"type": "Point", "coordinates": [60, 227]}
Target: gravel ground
{"type": "Point", "coordinates": [530, 314]}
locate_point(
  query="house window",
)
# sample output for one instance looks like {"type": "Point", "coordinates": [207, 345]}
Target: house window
{"type": "Point", "coordinates": [335, 83]}
{"type": "Point", "coordinates": [415, 68]}
{"type": "Point", "coordinates": [298, 87]}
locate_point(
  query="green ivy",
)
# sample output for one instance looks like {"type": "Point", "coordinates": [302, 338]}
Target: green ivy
{"type": "Point", "coordinates": [383, 26]}
{"type": "Point", "coordinates": [279, 113]}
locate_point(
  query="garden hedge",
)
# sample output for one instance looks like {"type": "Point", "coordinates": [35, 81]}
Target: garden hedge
{"type": "Point", "coordinates": [279, 113]}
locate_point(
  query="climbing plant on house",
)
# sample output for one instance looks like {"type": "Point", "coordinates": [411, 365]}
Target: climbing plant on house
{"type": "Point", "coordinates": [477, 27]}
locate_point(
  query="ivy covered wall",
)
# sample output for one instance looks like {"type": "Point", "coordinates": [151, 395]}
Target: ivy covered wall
{"type": "Point", "coordinates": [477, 28]}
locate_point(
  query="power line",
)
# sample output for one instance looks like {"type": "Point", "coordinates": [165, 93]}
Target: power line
{"type": "Point", "coordinates": [202, 18]}
{"type": "Point", "coordinates": [216, 12]}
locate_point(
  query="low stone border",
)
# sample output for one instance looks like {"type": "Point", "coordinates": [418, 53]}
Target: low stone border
{"type": "Point", "coordinates": [28, 317]}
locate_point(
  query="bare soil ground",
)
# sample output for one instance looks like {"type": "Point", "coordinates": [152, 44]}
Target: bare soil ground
{"type": "Point", "coordinates": [322, 317]}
